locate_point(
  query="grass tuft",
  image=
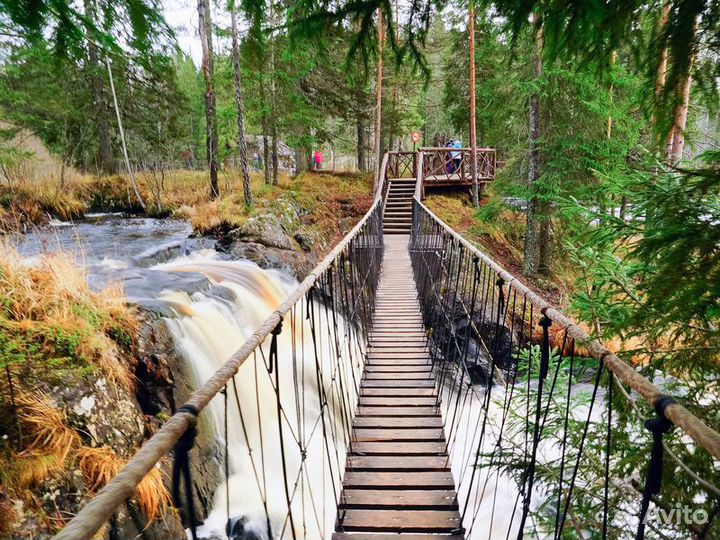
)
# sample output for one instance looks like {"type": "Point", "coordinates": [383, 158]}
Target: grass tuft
{"type": "Point", "coordinates": [100, 465]}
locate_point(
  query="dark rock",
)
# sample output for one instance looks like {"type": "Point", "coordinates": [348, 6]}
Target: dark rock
{"type": "Point", "coordinates": [265, 231]}
{"type": "Point", "coordinates": [167, 384]}
{"type": "Point", "coordinates": [142, 287]}
{"type": "Point", "coordinates": [237, 530]}
{"type": "Point", "coordinates": [154, 374]}
{"type": "Point", "coordinates": [296, 264]}
{"type": "Point", "coordinates": [305, 241]}
{"type": "Point", "coordinates": [184, 247]}
{"type": "Point", "coordinates": [104, 412]}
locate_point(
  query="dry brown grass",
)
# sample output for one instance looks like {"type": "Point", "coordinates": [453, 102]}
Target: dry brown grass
{"type": "Point", "coordinates": [185, 194]}
{"type": "Point", "coordinates": [54, 448]}
{"type": "Point", "coordinates": [52, 304]}
{"type": "Point", "coordinates": [50, 444]}
{"type": "Point", "coordinates": [46, 426]}
{"type": "Point", "coordinates": [100, 465]}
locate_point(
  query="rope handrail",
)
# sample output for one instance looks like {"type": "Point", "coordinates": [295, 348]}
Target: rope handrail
{"type": "Point", "coordinates": [100, 508]}
{"type": "Point", "coordinates": [680, 416]}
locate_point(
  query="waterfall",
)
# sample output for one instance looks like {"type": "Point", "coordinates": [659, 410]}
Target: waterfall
{"type": "Point", "coordinates": [207, 329]}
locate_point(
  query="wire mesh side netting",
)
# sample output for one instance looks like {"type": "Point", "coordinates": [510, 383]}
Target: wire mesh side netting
{"type": "Point", "coordinates": [544, 441]}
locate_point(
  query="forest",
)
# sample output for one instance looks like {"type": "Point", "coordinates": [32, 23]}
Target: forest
{"type": "Point", "coordinates": [257, 130]}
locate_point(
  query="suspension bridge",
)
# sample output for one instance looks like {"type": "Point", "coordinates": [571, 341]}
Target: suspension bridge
{"type": "Point", "coordinates": [412, 389]}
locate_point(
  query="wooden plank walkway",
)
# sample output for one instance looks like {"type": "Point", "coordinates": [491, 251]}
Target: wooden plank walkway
{"type": "Point", "coordinates": [398, 484]}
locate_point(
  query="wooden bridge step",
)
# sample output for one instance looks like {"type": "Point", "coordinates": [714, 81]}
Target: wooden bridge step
{"type": "Point", "coordinates": [398, 383]}
{"type": "Point", "coordinates": [400, 338]}
{"type": "Point", "coordinates": [399, 480]}
{"type": "Point", "coordinates": [406, 363]}
{"type": "Point", "coordinates": [397, 401]}
{"type": "Point", "coordinates": [370, 410]}
{"type": "Point", "coordinates": [384, 353]}
{"type": "Point", "coordinates": [386, 422]}
{"type": "Point", "coordinates": [402, 448]}
{"type": "Point", "coordinates": [397, 434]}
{"type": "Point", "coordinates": [397, 463]}
{"type": "Point", "coordinates": [397, 392]}
{"type": "Point", "coordinates": [398, 376]}
{"type": "Point", "coordinates": [440, 499]}
{"type": "Point", "coordinates": [424, 367]}
{"type": "Point", "coordinates": [392, 536]}
{"type": "Point", "coordinates": [401, 520]}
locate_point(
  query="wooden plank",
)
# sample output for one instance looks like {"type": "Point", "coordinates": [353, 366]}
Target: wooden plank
{"type": "Point", "coordinates": [399, 498]}
{"type": "Point", "coordinates": [398, 383]}
{"type": "Point", "coordinates": [397, 411]}
{"type": "Point", "coordinates": [408, 375]}
{"type": "Point", "coordinates": [402, 435]}
{"type": "Point", "coordinates": [399, 335]}
{"type": "Point", "coordinates": [380, 353]}
{"type": "Point", "coordinates": [387, 348]}
{"type": "Point", "coordinates": [397, 422]}
{"type": "Point", "coordinates": [395, 463]}
{"type": "Point", "coordinates": [405, 363]}
{"type": "Point", "coordinates": [397, 330]}
{"type": "Point", "coordinates": [392, 536]}
{"type": "Point", "coordinates": [397, 392]}
{"type": "Point", "coordinates": [424, 367]}
{"type": "Point", "coordinates": [402, 448]}
{"type": "Point", "coordinates": [393, 401]}
{"type": "Point", "coordinates": [399, 480]}
{"type": "Point", "coordinates": [399, 520]}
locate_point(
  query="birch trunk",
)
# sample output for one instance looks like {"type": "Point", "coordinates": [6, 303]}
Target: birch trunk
{"type": "Point", "coordinates": [205, 31]}
{"type": "Point", "coordinates": [242, 144]}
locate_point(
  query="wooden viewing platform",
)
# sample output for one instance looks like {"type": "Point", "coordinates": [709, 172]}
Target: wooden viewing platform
{"type": "Point", "coordinates": [397, 477]}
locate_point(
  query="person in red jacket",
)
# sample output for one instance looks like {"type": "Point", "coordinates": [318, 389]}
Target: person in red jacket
{"type": "Point", "coordinates": [317, 160]}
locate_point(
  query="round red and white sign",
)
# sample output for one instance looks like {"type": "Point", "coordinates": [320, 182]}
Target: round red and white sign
{"type": "Point", "coordinates": [415, 136]}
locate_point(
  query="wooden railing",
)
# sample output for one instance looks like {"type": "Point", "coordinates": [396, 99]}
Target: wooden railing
{"type": "Point", "coordinates": [451, 166]}
{"type": "Point", "coordinates": [401, 164]}
{"type": "Point", "coordinates": [438, 166]}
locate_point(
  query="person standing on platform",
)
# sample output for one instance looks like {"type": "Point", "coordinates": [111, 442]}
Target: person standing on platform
{"type": "Point", "coordinates": [317, 160]}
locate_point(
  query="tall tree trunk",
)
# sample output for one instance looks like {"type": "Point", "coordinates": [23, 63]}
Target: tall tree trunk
{"type": "Point", "coordinates": [473, 133]}
{"type": "Point", "coordinates": [531, 262]}
{"type": "Point", "coordinates": [242, 144]}
{"type": "Point", "coordinates": [608, 130]}
{"type": "Point", "coordinates": [273, 105]}
{"type": "Point", "coordinates": [302, 159]}
{"type": "Point", "coordinates": [205, 31]}
{"type": "Point", "coordinates": [662, 74]}
{"type": "Point", "coordinates": [102, 123]}
{"type": "Point", "coordinates": [122, 140]}
{"type": "Point", "coordinates": [680, 118]}
{"type": "Point", "coordinates": [265, 124]}
{"type": "Point", "coordinates": [682, 99]}
{"type": "Point", "coordinates": [361, 160]}
{"type": "Point", "coordinates": [378, 99]}
{"type": "Point", "coordinates": [395, 137]}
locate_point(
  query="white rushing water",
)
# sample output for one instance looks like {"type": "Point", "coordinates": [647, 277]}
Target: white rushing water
{"type": "Point", "coordinates": [207, 330]}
